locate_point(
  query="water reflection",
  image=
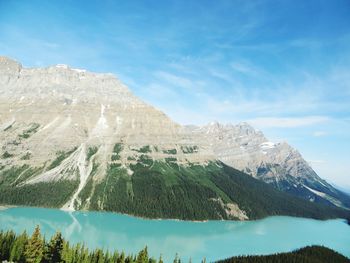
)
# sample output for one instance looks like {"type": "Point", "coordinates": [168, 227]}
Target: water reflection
{"type": "Point", "coordinates": [213, 240]}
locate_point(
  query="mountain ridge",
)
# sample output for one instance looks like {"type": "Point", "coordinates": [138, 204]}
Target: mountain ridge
{"type": "Point", "coordinates": [61, 125]}
{"type": "Point", "coordinates": [247, 149]}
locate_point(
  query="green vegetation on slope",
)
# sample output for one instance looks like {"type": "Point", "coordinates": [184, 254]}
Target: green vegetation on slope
{"type": "Point", "coordinates": [264, 200]}
{"type": "Point", "coordinates": [163, 189]}
{"type": "Point", "coordinates": [118, 147]}
{"type": "Point", "coordinates": [6, 155]}
{"type": "Point", "coordinates": [17, 174]}
{"type": "Point", "coordinates": [87, 191]}
{"type": "Point", "coordinates": [26, 156]}
{"type": "Point", "coordinates": [159, 189]}
{"type": "Point", "coordinates": [312, 254]}
{"type": "Point", "coordinates": [189, 149]}
{"type": "Point", "coordinates": [30, 131]}
{"type": "Point", "coordinates": [170, 151]}
{"type": "Point", "coordinates": [44, 194]}
{"type": "Point", "coordinates": [91, 151]}
{"type": "Point", "coordinates": [60, 157]}
{"type": "Point", "coordinates": [144, 149]}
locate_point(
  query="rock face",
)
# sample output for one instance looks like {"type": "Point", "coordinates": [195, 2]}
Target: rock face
{"type": "Point", "coordinates": [59, 108]}
{"type": "Point", "coordinates": [60, 112]}
{"type": "Point", "coordinates": [246, 149]}
{"type": "Point", "coordinates": [62, 124]}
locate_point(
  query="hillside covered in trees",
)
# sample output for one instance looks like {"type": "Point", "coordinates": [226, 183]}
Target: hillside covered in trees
{"type": "Point", "coordinates": [168, 190]}
{"type": "Point", "coordinates": [311, 254]}
{"type": "Point", "coordinates": [37, 249]}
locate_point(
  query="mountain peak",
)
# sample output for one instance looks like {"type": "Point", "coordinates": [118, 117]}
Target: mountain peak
{"type": "Point", "coordinates": [8, 65]}
{"type": "Point", "coordinates": [61, 82]}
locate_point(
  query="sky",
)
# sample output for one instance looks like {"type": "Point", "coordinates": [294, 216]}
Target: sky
{"type": "Point", "coordinates": [282, 66]}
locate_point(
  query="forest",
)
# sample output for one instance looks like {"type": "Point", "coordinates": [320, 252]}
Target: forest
{"type": "Point", "coordinates": [164, 189]}
{"type": "Point", "coordinates": [36, 249]}
{"type": "Point", "coordinates": [311, 254]}
{"type": "Point", "coordinates": [168, 190]}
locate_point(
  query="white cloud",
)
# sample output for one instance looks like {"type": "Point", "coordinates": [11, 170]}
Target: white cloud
{"type": "Point", "coordinates": [244, 68]}
{"type": "Point", "coordinates": [319, 133]}
{"type": "Point", "coordinates": [271, 122]}
{"type": "Point", "coordinates": [174, 80]}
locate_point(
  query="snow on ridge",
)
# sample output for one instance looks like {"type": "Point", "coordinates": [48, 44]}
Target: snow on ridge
{"type": "Point", "coordinates": [267, 145]}
{"type": "Point", "coordinates": [79, 70]}
{"type": "Point", "coordinates": [315, 191]}
{"type": "Point", "coordinates": [62, 66]}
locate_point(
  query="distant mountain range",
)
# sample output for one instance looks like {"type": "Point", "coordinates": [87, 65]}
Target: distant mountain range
{"type": "Point", "coordinates": [80, 140]}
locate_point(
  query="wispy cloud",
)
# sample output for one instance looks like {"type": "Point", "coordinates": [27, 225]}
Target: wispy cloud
{"type": "Point", "coordinates": [319, 133]}
{"type": "Point", "coordinates": [269, 122]}
{"type": "Point", "coordinates": [245, 68]}
{"type": "Point", "coordinates": [174, 80]}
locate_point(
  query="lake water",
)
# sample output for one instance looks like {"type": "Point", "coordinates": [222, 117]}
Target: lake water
{"type": "Point", "coordinates": [212, 240]}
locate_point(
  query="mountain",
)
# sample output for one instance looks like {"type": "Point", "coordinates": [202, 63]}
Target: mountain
{"type": "Point", "coordinates": [80, 140]}
{"type": "Point", "coordinates": [246, 149]}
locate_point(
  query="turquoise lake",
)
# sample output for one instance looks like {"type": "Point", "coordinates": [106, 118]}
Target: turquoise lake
{"type": "Point", "coordinates": [196, 240]}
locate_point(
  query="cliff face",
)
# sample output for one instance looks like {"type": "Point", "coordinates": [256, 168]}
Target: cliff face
{"type": "Point", "coordinates": [61, 108]}
{"type": "Point", "coordinates": [59, 123]}
{"type": "Point", "coordinates": [246, 149]}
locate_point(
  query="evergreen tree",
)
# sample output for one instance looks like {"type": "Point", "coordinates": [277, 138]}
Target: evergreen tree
{"type": "Point", "coordinates": [35, 247]}
{"type": "Point", "coordinates": [18, 248]}
{"type": "Point", "coordinates": [6, 244]}
{"type": "Point", "coordinates": [54, 249]}
{"type": "Point", "coordinates": [176, 260]}
{"type": "Point", "coordinates": [115, 257]}
{"type": "Point", "coordinates": [160, 259]}
{"type": "Point", "coordinates": [142, 256]}
{"type": "Point", "coordinates": [121, 259]}
{"type": "Point", "coordinates": [67, 252]}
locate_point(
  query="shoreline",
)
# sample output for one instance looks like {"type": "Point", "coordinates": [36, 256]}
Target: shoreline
{"type": "Point", "coordinates": [4, 207]}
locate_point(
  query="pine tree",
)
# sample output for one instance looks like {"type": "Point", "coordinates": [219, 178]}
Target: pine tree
{"type": "Point", "coordinates": [6, 243]}
{"type": "Point", "coordinates": [115, 256]}
{"type": "Point", "coordinates": [142, 256]}
{"type": "Point", "coordinates": [35, 247]}
{"type": "Point", "coordinates": [18, 248]}
{"type": "Point", "coordinates": [160, 259]}
{"type": "Point", "coordinates": [121, 258]}
{"type": "Point", "coordinates": [54, 249]}
{"type": "Point", "coordinates": [67, 252]}
{"type": "Point", "coordinates": [176, 260]}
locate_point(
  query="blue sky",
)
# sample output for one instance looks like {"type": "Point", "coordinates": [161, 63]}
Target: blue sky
{"type": "Point", "coordinates": [283, 66]}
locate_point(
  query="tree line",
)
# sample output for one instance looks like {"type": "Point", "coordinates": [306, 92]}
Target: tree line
{"type": "Point", "coordinates": [310, 254]}
{"type": "Point", "coordinates": [36, 249]}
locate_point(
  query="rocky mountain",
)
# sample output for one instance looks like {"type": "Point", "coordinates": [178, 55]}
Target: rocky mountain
{"type": "Point", "coordinates": [246, 149]}
{"type": "Point", "coordinates": [80, 140]}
